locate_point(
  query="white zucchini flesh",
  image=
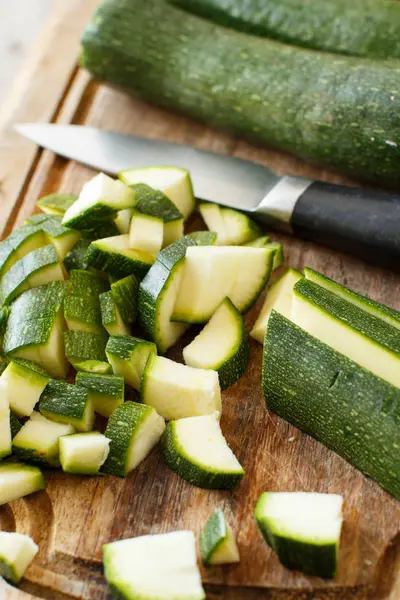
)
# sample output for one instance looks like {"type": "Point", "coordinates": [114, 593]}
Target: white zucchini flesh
{"type": "Point", "coordinates": [146, 233]}
{"type": "Point", "coordinates": [227, 552]}
{"type": "Point", "coordinates": [279, 297]}
{"type": "Point", "coordinates": [173, 231]}
{"type": "Point", "coordinates": [145, 438]}
{"type": "Point", "coordinates": [83, 453]}
{"type": "Point", "coordinates": [5, 427]}
{"type": "Point", "coordinates": [16, 553]}
{"type": "Point", "coordinates": [217, 542]}
{"type": "Point", "coordinates": [162, 567]}
{"type": "Point", "coordinates": [213, 218]}
{"type": "Point", "coordinates": [253, 272]}
{"type": "Point", "coordinates": [21, 388]}
{"type": "Point", "coordinates": [173, 181]}
{"type": "Point", "coordinates": [123, 220]}
{"type": "Point", "coordinates": [18, 480]}
{"type": "Point", "coordinates": [169, 332]}
{"type": "Point", "coordinates": [177, 391]}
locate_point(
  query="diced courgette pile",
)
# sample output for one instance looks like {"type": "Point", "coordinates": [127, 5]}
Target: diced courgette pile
{"type": "Point", "coordinates": [107, 283]}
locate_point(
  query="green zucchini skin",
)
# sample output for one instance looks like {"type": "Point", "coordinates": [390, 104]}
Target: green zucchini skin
{"type": "Point", "coordinates": [155, 203]}
{"type": "Point", "coordinates": [333, 399]}
{"type": "Point", "coordinates": [15, 425]}
{"type": "Point", "coordinates": [125, 295]}
{"type": "Point", "coordinates": [364, 28]}
{"type": "Point", "coordinates": [76, 257]}
{"type": "Point", "coordinates": [328, 109]}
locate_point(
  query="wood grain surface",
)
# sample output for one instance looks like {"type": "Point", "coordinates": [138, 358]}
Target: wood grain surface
{"type": "Point", "coordinates": [75, 516]}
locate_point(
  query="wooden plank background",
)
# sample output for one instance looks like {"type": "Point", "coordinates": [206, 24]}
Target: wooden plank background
{"type": "Point", "coordinates": [74, 516]}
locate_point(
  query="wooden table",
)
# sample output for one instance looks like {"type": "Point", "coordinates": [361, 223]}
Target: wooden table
{"type": "Point", "coordinates": [74, 516]}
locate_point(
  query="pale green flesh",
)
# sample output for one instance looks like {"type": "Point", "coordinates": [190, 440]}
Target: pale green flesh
{"type": "Point", "coordinates": [227, 552]}
{"type": "Point", "coordinates": [154, 567]}
{"type": "Point", "coordinates": [18, 480]}
{"type": "Point", "coordinates": [279, 297]}
{"type": "Point", "coordinates": [5, 427]}
{"type": "Point", "coordinates": [240, 227]}
{"type": "Point", "coordinates": [217, 542]}
{"type": "Point", "coordinates": [123, 219]}
{"type": "Point", "coordinates": [173, 181]}
{"type": "Point", "coordinates": [16, 553]}
{"type": "Point", "coordinates": [19, 244]}
{"type": "Point", "coordinates": [21, 387]}
{"type": "Point", "coordinates": [173, 231]}
{"type": "Point", "coordinates": [177, 391]}
{"type": "Point", "coordinates": [218, 341]}
{"type": "Point", "coordinates": [146, 233]}
{"type": "Point", "coordinates": [129, 363]}
{"type": "Point", "coordinates": [106, 392]}
{"type": "Point", "coordinates": [83, 453]}
{"type": "Point", "coordinates": [145, 437]}
{"type": "Point", "coordinates": [214, 220]}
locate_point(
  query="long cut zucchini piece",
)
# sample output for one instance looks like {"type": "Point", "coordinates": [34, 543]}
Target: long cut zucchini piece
{"type": "Point", "coordinates": [303, 528]}
{"type": "Point", "coordinates": [35, 328]}
{"type": "Point", "coordinates": [173, 181]}
{"type": "Point", "coordinates": [134, 430]}
{"type": "Point", "coordinates": [279, 297]}
{"type": "Point", "coordinates": [330, 397]}
{"type": "Point", "coordinates": [328, 25]}
{"type": "Point", "coordinates": [83, 453]}
{"type": "Point", "coordinates": [217, 542]}
{"type": "Point", "coordinates": [56, 204]}
{"type": "Point", "coordinates": [267, 92]}
{"type": "Point", "coordinates": [17, 551]}
{"type": "Point", "coordinates": [69, 404]}
{"type": "Point", "coordinates": [162, 567]}
{"type": "Point", "coordinates": [362, 337]}
{"type": "Point", "coordinates": [128, 357]}
{"type": "Point", "coordinates": [37, 440]}
{"type": "Point", "coordinates": [197, 451]}
{"type": "Point", "coordinates": [377, 309]}
{"type": "Point", "coordinates": [18, 244]}
{"type": "Point", "coordinates": [159, 289]}
{"type": "Point", "coordinates": [18, 480]}
{"type": "Point", "coordinates": [99, 201]}
{"type": "Point", "coordinates": [106, 392]}
{"type": "Point", "coordinates": [223, 345]}
{"type": "Point", "coordinates": [177, 391]}
{"type": "Point", "coordinates": [110, 315]}
{"type": "Point", "coordinates": [114, 256]}
{"type": "Point", "coordinates": [22, 384]}
{"type": "Point", "coordinates": [86, 351]}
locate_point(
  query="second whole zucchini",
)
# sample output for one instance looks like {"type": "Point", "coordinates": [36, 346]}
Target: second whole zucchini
{"type": "Point", "coordinates": [328, 109]}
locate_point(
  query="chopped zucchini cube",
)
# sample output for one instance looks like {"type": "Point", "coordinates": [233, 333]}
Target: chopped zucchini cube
{"type": "Point", "coordinates": [110, 315]}
{"type": "Point", "coordinates": [125, 294]}
{"type": "Point", "coordinates": [134, 430]}
{"type": "Point", "coordinates": [213, 218]}
{"type": "Point", "coordinates": [177, 391]}
{"type": "Point", "coordinates": [86, 351]}
{"type": "Point", "coordinates": [56, 204]}
{"type": "Point", "coordinates": [260, 242]}
{"type": "Point", "coordinates": [146, 233]}
{"type": "Point", "coordinates": [123, 220]}
{"type": "Point", "coordinates": [106, 392]}
{"type": "Point", "coordinates": [22, 384]}
{"type": "Point", "coordinates": [114, 256]}
{"type": "Point", "coordinates": [37, 440]}
{"type": "Point", "coordinates": [76, 257]}
{"type": "Point", "coordinates": [18, 480]}
{"type": "Point", "coordinates": [69, 404]}
{"type": "Point", "coordinates": [83, 314]}
{"type": "Point", "coordinates": [85, 284]}
{"type": "Point", "coordinates": [19, 243]}
{"type": "Point", "coordinates": [62, 238]}
{"type": "Point", "coordinates": [17, 551]}
{"type": "Point", "coordinates": [217, 542]}
{"type": "Point", "coordinates": [128, 357]}
{"type": "Point", "coordinates": [83, 453]}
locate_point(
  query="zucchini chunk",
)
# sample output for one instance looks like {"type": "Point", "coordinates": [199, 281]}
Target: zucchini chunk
{"type": "Point", "coordinates": [197, 451]}
{"type": "Point", "coordinates": [223, 345]}
{"type": "Point", "coordinates": [134, 430]}
{"type": "Point", "coordinates": [37, 440]}
{"type": "Point", "coordinates": [213, 218]}
{"type": "Point", "coordinates": [37, 268]}
{"type": "Point", "coordinates": [110, 315]}
{"type": "Point", "coordinates": [68, 404]}
{"type": "Point", "coordinates": [173, 181]}
{"type": "Point", "coordinates": [83, 314]}
{"type": "Point", "coordinates": [128, 357]}
{"type": "Point", "coordinates": [362, 337]}
{"type": "Point", "coordinates": [99, 201]}
{"type": "Point", "coordinates": [17, 551]}
{"type": "Point", "coordinates": [161, 566]}
{"type": "Point", "coordinates": [217, 542]}
{"type": "Point", "coordinates": [114, 256]}
{"type": "Point", "coordinates": [213, 272]}
{"type": "Point", "coordinates": [15, 425]}
{"type": "Point", "coordinates": [177, 391]}
{"type": "Point", "coordinates": [87, 285]}
{"type": "Point", "coordinates": [86, 351]}
{"type": "Point", "coordinates": [76, 257]}
{"type": "Point", "coordinates": [158, 291]}
{"type": "Point", "coordinates": [18, 244]}
{"type": "Point", "coordinates": [83, 453]}
{"type": "Point", "coordinates": [106, 392]}
{"type": "Point", "coordinates": [303, 528]}
{"type": "Point", "coordinates": [279, 256]}
{"type": "Point", "coordinates": [260, 242]}
{"type": "Point", "coordinates": [21, 385]}
{"type": "Point", "coordinates": [125, 294]}
{"type": "Point", "coordinates": [56, 204]}
{"type": "Point", "coordinates": [232, 227]}
{"type": "Point", "coordinates": [146, 233]}
{"type": "Point", "coordinates": [123, 220]}
{"type": "Point", "coordinates": [62, 238]}
{"type": "Point", "coordinates": [330, 397]}
{"type": "Point", "coordinates": [35, 328]}
{"type": "Point", "coordinates": [18, 480]}
{"type": "Point", "coordinates": [5, 427]}
{"type": "Point", "coordinates": [376, 309]}
{"type": "Point", "coordinates": [279, 297]}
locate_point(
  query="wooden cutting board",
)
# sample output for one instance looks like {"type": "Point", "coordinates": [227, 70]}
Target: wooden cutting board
{"type": "Point", "coordinates": [75, 516]}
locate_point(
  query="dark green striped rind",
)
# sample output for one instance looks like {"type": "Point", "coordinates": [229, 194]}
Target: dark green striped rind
{"type": "Point", "coordinates": [155, 203]}
{"type": "Point", "coordinates": [125, 294]}
{"type": "Point", "coordinates": [84, 284]}
{"type": "Point", "coordinates": [330, 397]}
{"type": "Point", "coordinates": [105, 385]}
{"type": "Point", "coordinates": [15, 425]}
{"type": "Point", "coordinates": [81, 346]}
{"type": "Point", "coordinates": [328, 25]}
{"type": "Point", "coordinates": [328, 109]}
{"type": "Point", "coordinates": [56, 204]}
{"type": "Point", "coordinates": [76, 257]}
{"type": "Point", "coordinates": [15, 243]}
{"type": "Point", "coordinates": [64, 402]}
{"type": "Point", "coordinates": [116, 264]}
{"type": "Point", "coordinates": [212, 536]}
{"type": "Point", "coordinates": [83, 311]}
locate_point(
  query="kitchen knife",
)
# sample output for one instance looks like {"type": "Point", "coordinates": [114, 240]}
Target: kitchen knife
{"type": "Point", "coordinates": [362, 222]}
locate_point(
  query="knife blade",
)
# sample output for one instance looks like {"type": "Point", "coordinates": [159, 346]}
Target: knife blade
{"type": "Point", "coordinates": [358, 221]}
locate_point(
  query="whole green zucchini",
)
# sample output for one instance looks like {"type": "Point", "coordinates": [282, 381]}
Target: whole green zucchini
{"type": "Point", "coordinates": [360, 28]}
{"type": "Point", "coordinates": [329, 109]}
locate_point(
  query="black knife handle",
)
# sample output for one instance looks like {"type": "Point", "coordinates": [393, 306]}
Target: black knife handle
{"type": "Point", "coordinates": [365, 223]}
